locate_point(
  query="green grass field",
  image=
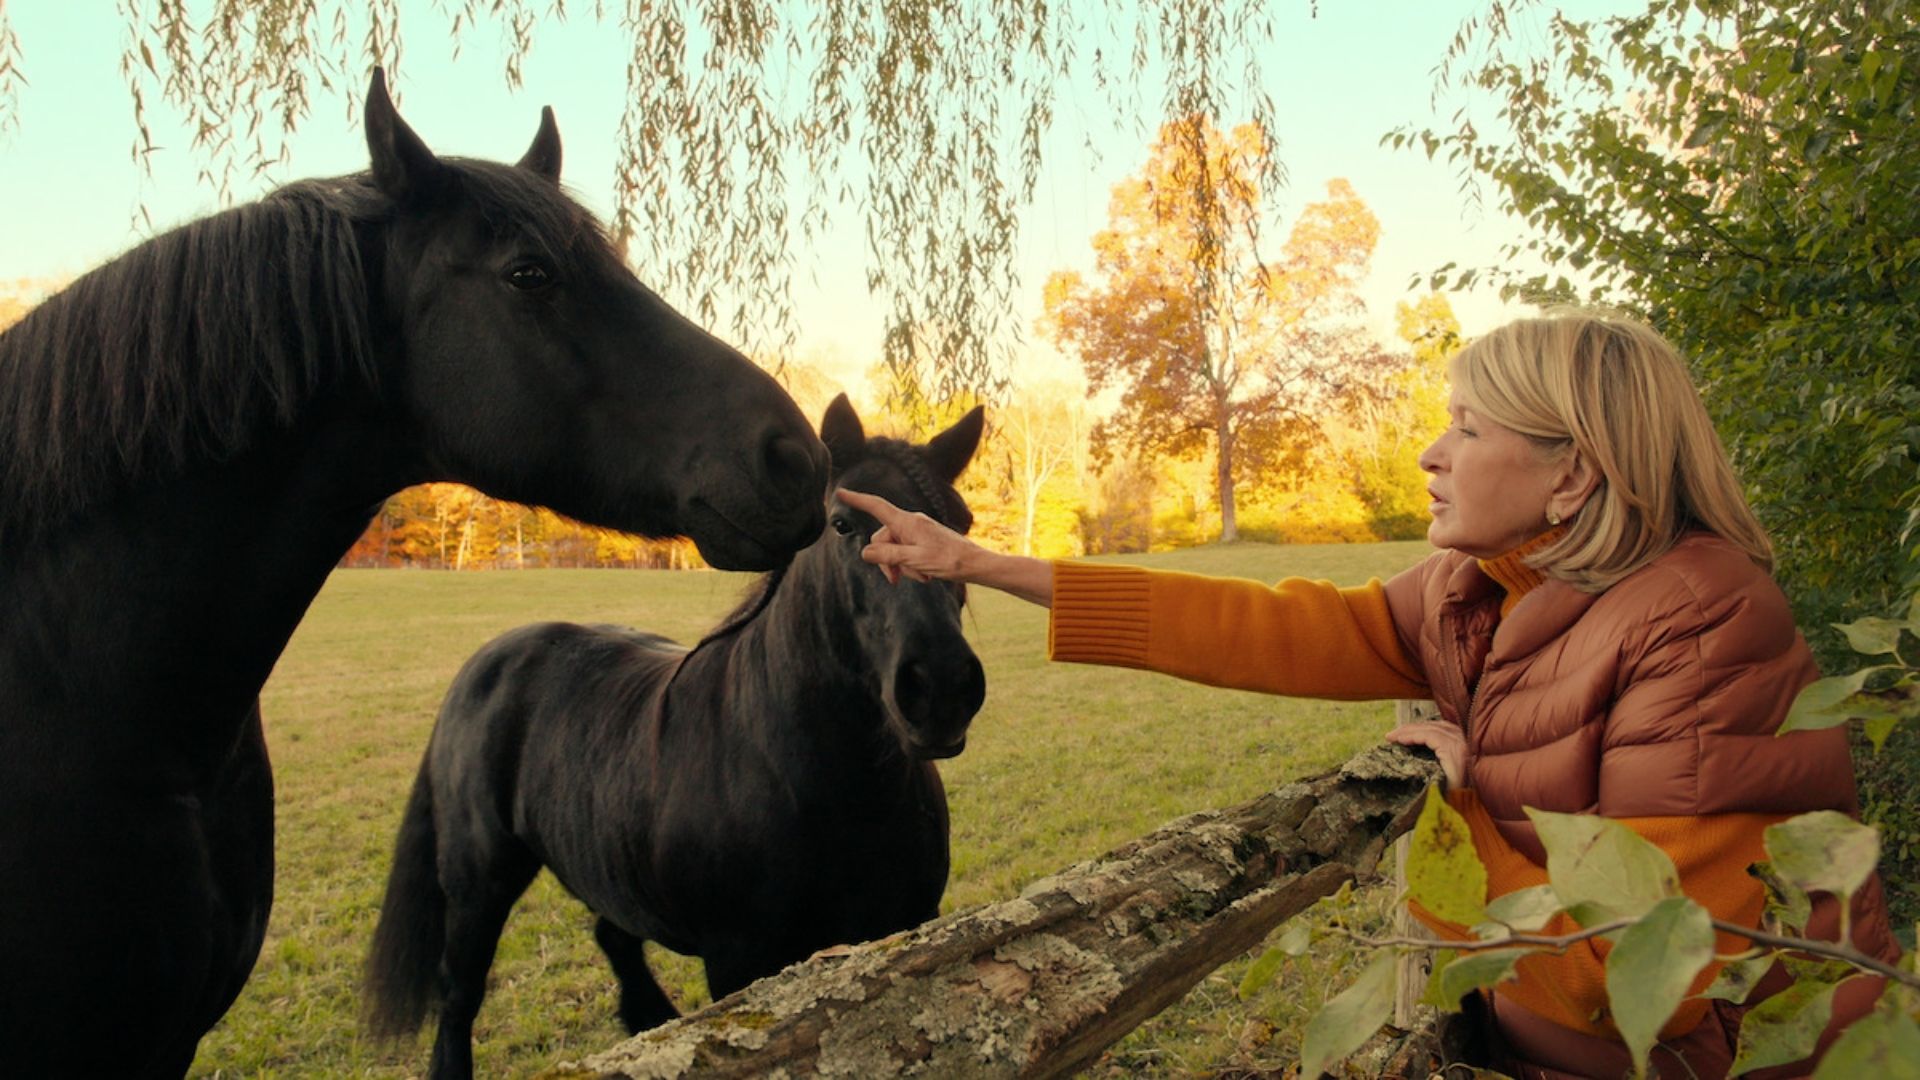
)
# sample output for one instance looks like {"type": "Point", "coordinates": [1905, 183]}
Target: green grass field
{"type": "Point", "coordinates": [1065, 761]}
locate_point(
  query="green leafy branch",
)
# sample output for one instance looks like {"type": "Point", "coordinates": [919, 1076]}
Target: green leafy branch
{"type": "Point", "coordinates": [1880, 696]}
{"type": "Point", "coordinates": [1619, 887]}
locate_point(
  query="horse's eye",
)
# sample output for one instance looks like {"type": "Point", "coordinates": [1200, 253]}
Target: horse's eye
{"type": "Point", "coordinates": [530, 276]}
{"type": "Point", "coordinates": [842, 526]}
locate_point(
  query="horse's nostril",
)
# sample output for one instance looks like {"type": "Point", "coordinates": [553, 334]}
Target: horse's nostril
{"type": "Point", "coordinates": [790, 469]}
{"type": "Point", "coordinates": [910, 684]}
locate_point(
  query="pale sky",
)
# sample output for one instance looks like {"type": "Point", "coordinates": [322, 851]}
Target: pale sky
{"type": "Point", "coordinates": [70, 188]}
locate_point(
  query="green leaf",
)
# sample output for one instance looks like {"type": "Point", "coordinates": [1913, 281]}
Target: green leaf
{"type": "Point", "coordinates": [1884, 1045]}
{"type": "Point", "coordinates": [1787, 904]}
{"type": "Point", "coordinates": [1602, 870]}
{"type": "Point", "coordinates": [1708, 130]}
{"type": "Point", "coordinates": [1261, 973]}
{"type": "Point", "coordinates": [1878, 728]}
{"type": "Point", "coordinates": [1737, 979]}
{"type": "Point", "coordinates": [1443, 871]}
{"type": "Point", "coordinates": [1784, 1027]}
{"type": "Point", "coordinates": [1295, 939]}
{"type": "Point", "coordinates": [1525, 910]}
{"type": "Point", "coordinates": [1469, 972]}
{"type": "Point", "coordinates": [1874, 635]}
{"type": "Point", "coordinates": [1825, 851]}
{"type": "Point", "coordinates": [1430, 995]}
{"type": "Point", "coordinates": [1350, 1019]}
{"type": "Point", "coordinates": [1823, 702]}
{"type": "Point", "coordinates": [1649, 971]}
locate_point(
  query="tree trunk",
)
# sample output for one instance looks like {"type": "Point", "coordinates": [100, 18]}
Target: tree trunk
{"type": "Point", "coordinates": [1223, 480]}
{"type": "Point", "coordinates": [1039, 985]}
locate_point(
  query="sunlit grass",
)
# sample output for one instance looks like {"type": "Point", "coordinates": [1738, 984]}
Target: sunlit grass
{"type": "Point", "coordinates": [1065, 762]}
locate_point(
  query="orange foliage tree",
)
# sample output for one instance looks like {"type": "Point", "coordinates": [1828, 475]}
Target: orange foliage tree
{"type": "Point", "coordinates": [453, 527]}
{"type": "Point", "coordinates": [1209, 339]}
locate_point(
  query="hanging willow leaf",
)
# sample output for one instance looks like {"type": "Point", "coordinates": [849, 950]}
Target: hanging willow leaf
{"type": "Point", "coordinates": [750, 125]}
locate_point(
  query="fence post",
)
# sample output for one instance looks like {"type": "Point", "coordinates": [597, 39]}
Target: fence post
{"type": "Point", "coordinates": [1410, 976]}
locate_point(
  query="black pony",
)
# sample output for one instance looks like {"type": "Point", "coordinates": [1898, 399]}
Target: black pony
{"type": "Point", "coordinates": [750, 801]}
{"type": "Point", "coordinates": [190, 438]}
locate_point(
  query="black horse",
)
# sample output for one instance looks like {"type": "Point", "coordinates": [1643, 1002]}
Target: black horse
{"type": "Point", "coordinates": [190, 438]}
{"type": "Point", "coordinates": [766, 794]}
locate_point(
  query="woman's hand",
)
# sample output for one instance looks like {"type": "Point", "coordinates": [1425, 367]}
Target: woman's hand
{"type": "Point", "coordinates": [1446, 741]}
{"type": "Point", "coordinates": [919, 548]}
{"type": "Point", "coordinates": [911, 544]}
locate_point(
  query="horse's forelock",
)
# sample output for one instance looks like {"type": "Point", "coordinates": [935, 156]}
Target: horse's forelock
{"type": "Point", "coordinates": [514, 201]}
{"type": "Point", "coordinates": [942, 502]}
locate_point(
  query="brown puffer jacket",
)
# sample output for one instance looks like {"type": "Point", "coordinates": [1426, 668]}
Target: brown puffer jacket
{"type": "Point", "coordinates": [1658, 697]}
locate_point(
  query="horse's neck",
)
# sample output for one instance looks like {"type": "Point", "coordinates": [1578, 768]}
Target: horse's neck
{"type": "Point", "coordinates": [172, 601]}
{"type": "Point", "coordinates": [789, 653]}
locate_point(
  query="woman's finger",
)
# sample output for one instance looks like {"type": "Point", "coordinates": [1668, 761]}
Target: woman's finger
{"type": "Point", "coordinates": [882, 511]}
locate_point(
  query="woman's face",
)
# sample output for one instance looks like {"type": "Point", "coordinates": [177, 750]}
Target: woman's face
{"type": "Point", "coordinates": [1490, 485]}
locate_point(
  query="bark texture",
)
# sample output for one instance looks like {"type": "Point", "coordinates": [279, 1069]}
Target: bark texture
{"type": "Point", "coordinates": [1039, 985]}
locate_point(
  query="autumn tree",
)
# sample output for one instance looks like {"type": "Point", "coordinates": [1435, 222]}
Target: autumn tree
{"type": "Point", "coordinates": [749, 124]}
{"type": "Point", "coordinates": [1042, 440]}
{"type": "Point", "coordinates": [1209, 338]}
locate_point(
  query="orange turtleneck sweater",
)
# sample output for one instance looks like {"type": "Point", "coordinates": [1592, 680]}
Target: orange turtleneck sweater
{"type": "Point", "coordinates": [1310, 639]}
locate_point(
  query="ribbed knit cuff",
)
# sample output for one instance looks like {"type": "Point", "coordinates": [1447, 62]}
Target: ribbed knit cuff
{"type": "Point", "coordinates": [1100, 614]}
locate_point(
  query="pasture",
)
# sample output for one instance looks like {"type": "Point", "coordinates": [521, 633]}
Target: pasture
{"type": "Point", "coordinates": [1064, 762]}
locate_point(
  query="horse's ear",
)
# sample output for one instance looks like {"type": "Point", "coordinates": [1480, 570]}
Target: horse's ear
{"type": "Point", "coordinates": [543, 156]}
{"type": "Point", "coordinates": [403, 167]}
{"type": "Point", "coordinates": [949, 451]}
{"type": "Point", "coordinates": [840, 429]}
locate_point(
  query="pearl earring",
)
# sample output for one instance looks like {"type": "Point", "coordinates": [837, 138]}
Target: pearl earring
{"type": "Point", "coordinates": [1553, 518]}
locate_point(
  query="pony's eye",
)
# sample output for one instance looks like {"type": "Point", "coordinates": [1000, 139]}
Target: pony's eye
{"type": "Point", "coordinates": [842, 526]}
{"type": "Point", "coordinates": [530, 276]}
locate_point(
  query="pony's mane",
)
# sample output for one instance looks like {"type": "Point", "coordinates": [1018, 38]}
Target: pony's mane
{"type": "Point", "coordinates": [191, 346]}
{"type": "Point", "coordinates": [943, 503]}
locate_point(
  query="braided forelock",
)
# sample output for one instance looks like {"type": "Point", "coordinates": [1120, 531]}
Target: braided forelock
{"type": "Point", "coordinates": [943, 502]}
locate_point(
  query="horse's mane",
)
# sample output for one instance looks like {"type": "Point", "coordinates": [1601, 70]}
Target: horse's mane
{"type": "Point", "coordinates": [943, 502]}
{"type": "Point", "coordinates": [179, 349]}
{"type": "Point", "coordinates": [190, 346]}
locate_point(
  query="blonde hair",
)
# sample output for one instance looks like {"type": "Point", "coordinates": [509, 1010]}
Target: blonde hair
{"type": "Point", "coordinates": [1616, 392]}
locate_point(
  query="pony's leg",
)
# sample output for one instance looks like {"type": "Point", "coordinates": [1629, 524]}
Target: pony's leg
{"type": "Point", "coordinates": [479, 899]}
{"type": "Point", "coordinates": [729, 969]}
{"type": "Point", "coordinates": [642, 1003]}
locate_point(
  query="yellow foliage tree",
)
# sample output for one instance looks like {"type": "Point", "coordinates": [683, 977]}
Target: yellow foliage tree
{"type": "Point", "coordinates": [1212, 343]}
{"type": "Point", "coordinates": [1377, 438]}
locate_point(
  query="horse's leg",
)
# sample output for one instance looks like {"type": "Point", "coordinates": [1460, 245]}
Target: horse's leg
{"type": "Point", "coordinates": [731, 968]}
{"type": "Point", "coordinates": [131, 918]}
{"type": "Point", "coordinates": [642, 1003]}
{"type": "Point", "coordinates": [481, 888]}
{"type": "Point", "coordinates": [238, 817]}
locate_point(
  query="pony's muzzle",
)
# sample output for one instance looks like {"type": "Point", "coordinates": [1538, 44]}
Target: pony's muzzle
{"type": "Point", "coordinates": [936, 700]}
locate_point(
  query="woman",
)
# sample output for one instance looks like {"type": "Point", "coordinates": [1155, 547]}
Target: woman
{"type": "Point", "coordinates": [1600, 631]}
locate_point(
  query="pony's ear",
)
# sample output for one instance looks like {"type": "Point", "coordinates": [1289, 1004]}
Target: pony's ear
{"type": "Point", "coordinates": [949, 451]}
{"type": "Point", "coordinates": [543, 156]}
{"type": "Point", "coordinates": [403, 167]}
{"type": "Point", "coordinates": [840, 429]}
